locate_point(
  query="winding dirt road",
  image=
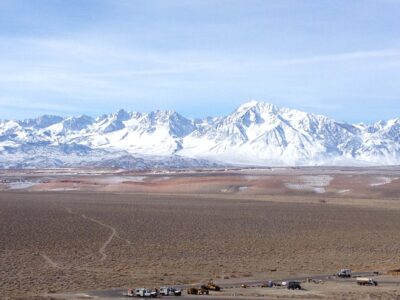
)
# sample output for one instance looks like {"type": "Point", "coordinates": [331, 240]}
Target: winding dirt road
{"type": "Point", "coordinates": [102, 249]}
{"type": "Point", "coordinates": [113, 234]}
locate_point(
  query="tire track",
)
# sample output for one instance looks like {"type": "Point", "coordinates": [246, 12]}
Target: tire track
{"type": "Point", "coordinates": [110, 238]}
{"type": "Point", "coordinates": [51, 262]}
{"type": "Point", "coordinates": [102, 249]}
{"type": "Point", "coordinates": [55, 265]}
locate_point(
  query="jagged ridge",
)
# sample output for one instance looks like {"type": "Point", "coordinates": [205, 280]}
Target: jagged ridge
{"type": "Point", "coordinates": [257, 133]}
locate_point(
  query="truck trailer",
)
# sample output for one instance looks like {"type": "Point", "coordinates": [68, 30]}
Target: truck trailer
{"type": "Point", "coordinates": [366, 281]}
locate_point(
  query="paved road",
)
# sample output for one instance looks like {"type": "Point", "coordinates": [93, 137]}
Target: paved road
{"type": "Point", "coordinates": [118, 293]}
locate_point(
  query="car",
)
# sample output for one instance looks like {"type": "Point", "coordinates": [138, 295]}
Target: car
{"type": "Point", "coordinates": [269, 284]}
{"type": "Point", "coordinates": [344, 273]}
{"type": "Point", "coordinates": [143, 292]}
{"type": "Point", "coordinates": [294, 285]}
{"type": "Point", "coordinates": [170, 291]}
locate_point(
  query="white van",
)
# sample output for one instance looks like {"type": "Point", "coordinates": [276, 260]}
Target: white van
{"type": "Point", "coordinates": [170, 291]}
{"type": "Point", "coordinates": [143, 292]}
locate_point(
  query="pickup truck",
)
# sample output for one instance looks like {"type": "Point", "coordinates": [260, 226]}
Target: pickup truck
{"type": "Point", "coordinates": [344, 273]}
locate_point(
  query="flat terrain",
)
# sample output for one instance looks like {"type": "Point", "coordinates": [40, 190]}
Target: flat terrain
{"type": "Point", "coordinates": [67, 231]}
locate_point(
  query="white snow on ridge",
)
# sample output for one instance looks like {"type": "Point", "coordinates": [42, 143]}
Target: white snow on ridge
{"type": "Point", "coordinates": [120, 179]}
{"type": "Point", "coordinates": [20, 185]}
{"type": "Point", "coordinates": [382, 181]}
{"type": "Point", "coordinates": [316, 184]}
{"type": "Point", "coordinates": [256, 134]}
{"type": "Point", "coordinates": [62, 189]}
{"type": "Point", "coordinates": [242, 188]}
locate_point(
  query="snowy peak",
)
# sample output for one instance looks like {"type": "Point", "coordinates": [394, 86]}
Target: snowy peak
{"type": "Point", "coordinates": [113, 122]}
{"type": "Point", "coordinates": [257, 106]}
{"type": "Point", "coordinates": [41, 122]}
{"type": "Point", "coordinates": [256, 133]}
{"type": "Point", "coordinates": [254, 112]}
{"type": "Point", "coordinates": [166, 120]}
{"type": "Point", "coordinates": [122, 115]}
{"type": "Point", "coordinates": [77, 123]}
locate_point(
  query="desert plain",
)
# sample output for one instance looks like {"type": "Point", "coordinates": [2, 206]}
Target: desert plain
{"type": "Point", "coordinates": [66, 232]}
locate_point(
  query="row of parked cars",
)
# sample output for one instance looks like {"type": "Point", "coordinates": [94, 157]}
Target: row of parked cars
{"type": "Point", "coordinates": [210, 286]}
{"type": "Point", "coordinates": [148, 293]}
{"type": "Point", "coordinates": [291, 285]}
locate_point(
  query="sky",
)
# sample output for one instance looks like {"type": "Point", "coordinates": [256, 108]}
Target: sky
{"type": "Point", "coordinates": [200, 57]}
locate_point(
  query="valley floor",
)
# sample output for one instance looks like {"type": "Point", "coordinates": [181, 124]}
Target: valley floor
{"type": "Point", "coordinates": [74, 230]}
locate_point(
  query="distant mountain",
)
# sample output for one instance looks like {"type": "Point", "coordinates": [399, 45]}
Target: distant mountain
{"type": "Point", "coordinates": [257, 133]}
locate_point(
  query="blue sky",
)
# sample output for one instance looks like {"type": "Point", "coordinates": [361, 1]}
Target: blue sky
{"type": "Point", "coordinates": [200, 57]}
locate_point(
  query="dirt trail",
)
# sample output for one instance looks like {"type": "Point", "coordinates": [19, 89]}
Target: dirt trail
{"type": "Point", "coordinates": [102, 249]}
{"type": "Point", "coordinates": [51, 262]}
{"type": "Point", "coordinates": [110, 238]}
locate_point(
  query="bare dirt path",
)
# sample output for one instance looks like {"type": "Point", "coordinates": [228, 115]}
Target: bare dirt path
{"type": "Point", "coordinates": [113, 234]}
{"type": "Point", "coordinates": [51, 262]}
{"type": "Point", "coordinates": [102, 249]}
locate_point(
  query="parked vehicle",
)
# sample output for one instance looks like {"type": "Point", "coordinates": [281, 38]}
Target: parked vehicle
{"type": "Point", "coordinates": [211, 286]}
{"type": "Point", "coordinates": [269, 284]}
{"type": "Point", "coordinates": [170, 291]}
{"type": "Point", "coordinates": [344, 273]}
{"type": "Point", "coordinates": [130, 293]}
{"type": "Point", "coordinates": [143, 292]}
{"type": "Point", "coordinates": [197, 291]}
{"type": "Point", "coordinates": [317, 281]}
{"type": "Point", "coordinates": [294, 285]}
{"type": "Point", "coordinates": [277, 283]}
{"type": "Point", "coordinates": [366, 281]}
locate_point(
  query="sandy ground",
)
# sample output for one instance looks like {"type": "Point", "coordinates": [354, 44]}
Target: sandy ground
{"type": "Point", "coordinates": [119, 229]}
{"type": "Point", "coordinates": [326, 290]}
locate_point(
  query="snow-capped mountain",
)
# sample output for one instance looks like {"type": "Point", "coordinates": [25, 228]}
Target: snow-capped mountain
{"type": "Point", "coordinates": [257, 133]}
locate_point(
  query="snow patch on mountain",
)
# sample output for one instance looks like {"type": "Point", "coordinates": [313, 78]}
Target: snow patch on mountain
{"type": "Point", "coordinates": [316, 184]}
{"type": "Point", "coordinates": [255, 134]}
{"type": "Point", "coordinates": [382, 181]}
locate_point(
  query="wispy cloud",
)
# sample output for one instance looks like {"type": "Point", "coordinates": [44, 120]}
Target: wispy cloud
{"type": "Point", "coordinates": [341, 57]}
{"type": "Point", "coordinates": [88, 56]}
{"type": "Point", "coordinates": [36, 106]}
{"type": "Point", "coordinates": [82, 66]}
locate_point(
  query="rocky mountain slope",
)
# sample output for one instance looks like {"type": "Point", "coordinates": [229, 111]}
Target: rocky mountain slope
{"type": "Point", "coordinates": [257, 133]}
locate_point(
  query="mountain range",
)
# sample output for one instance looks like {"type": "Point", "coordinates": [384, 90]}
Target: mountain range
{"type": "Point", "coordinates": [255, 134]}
